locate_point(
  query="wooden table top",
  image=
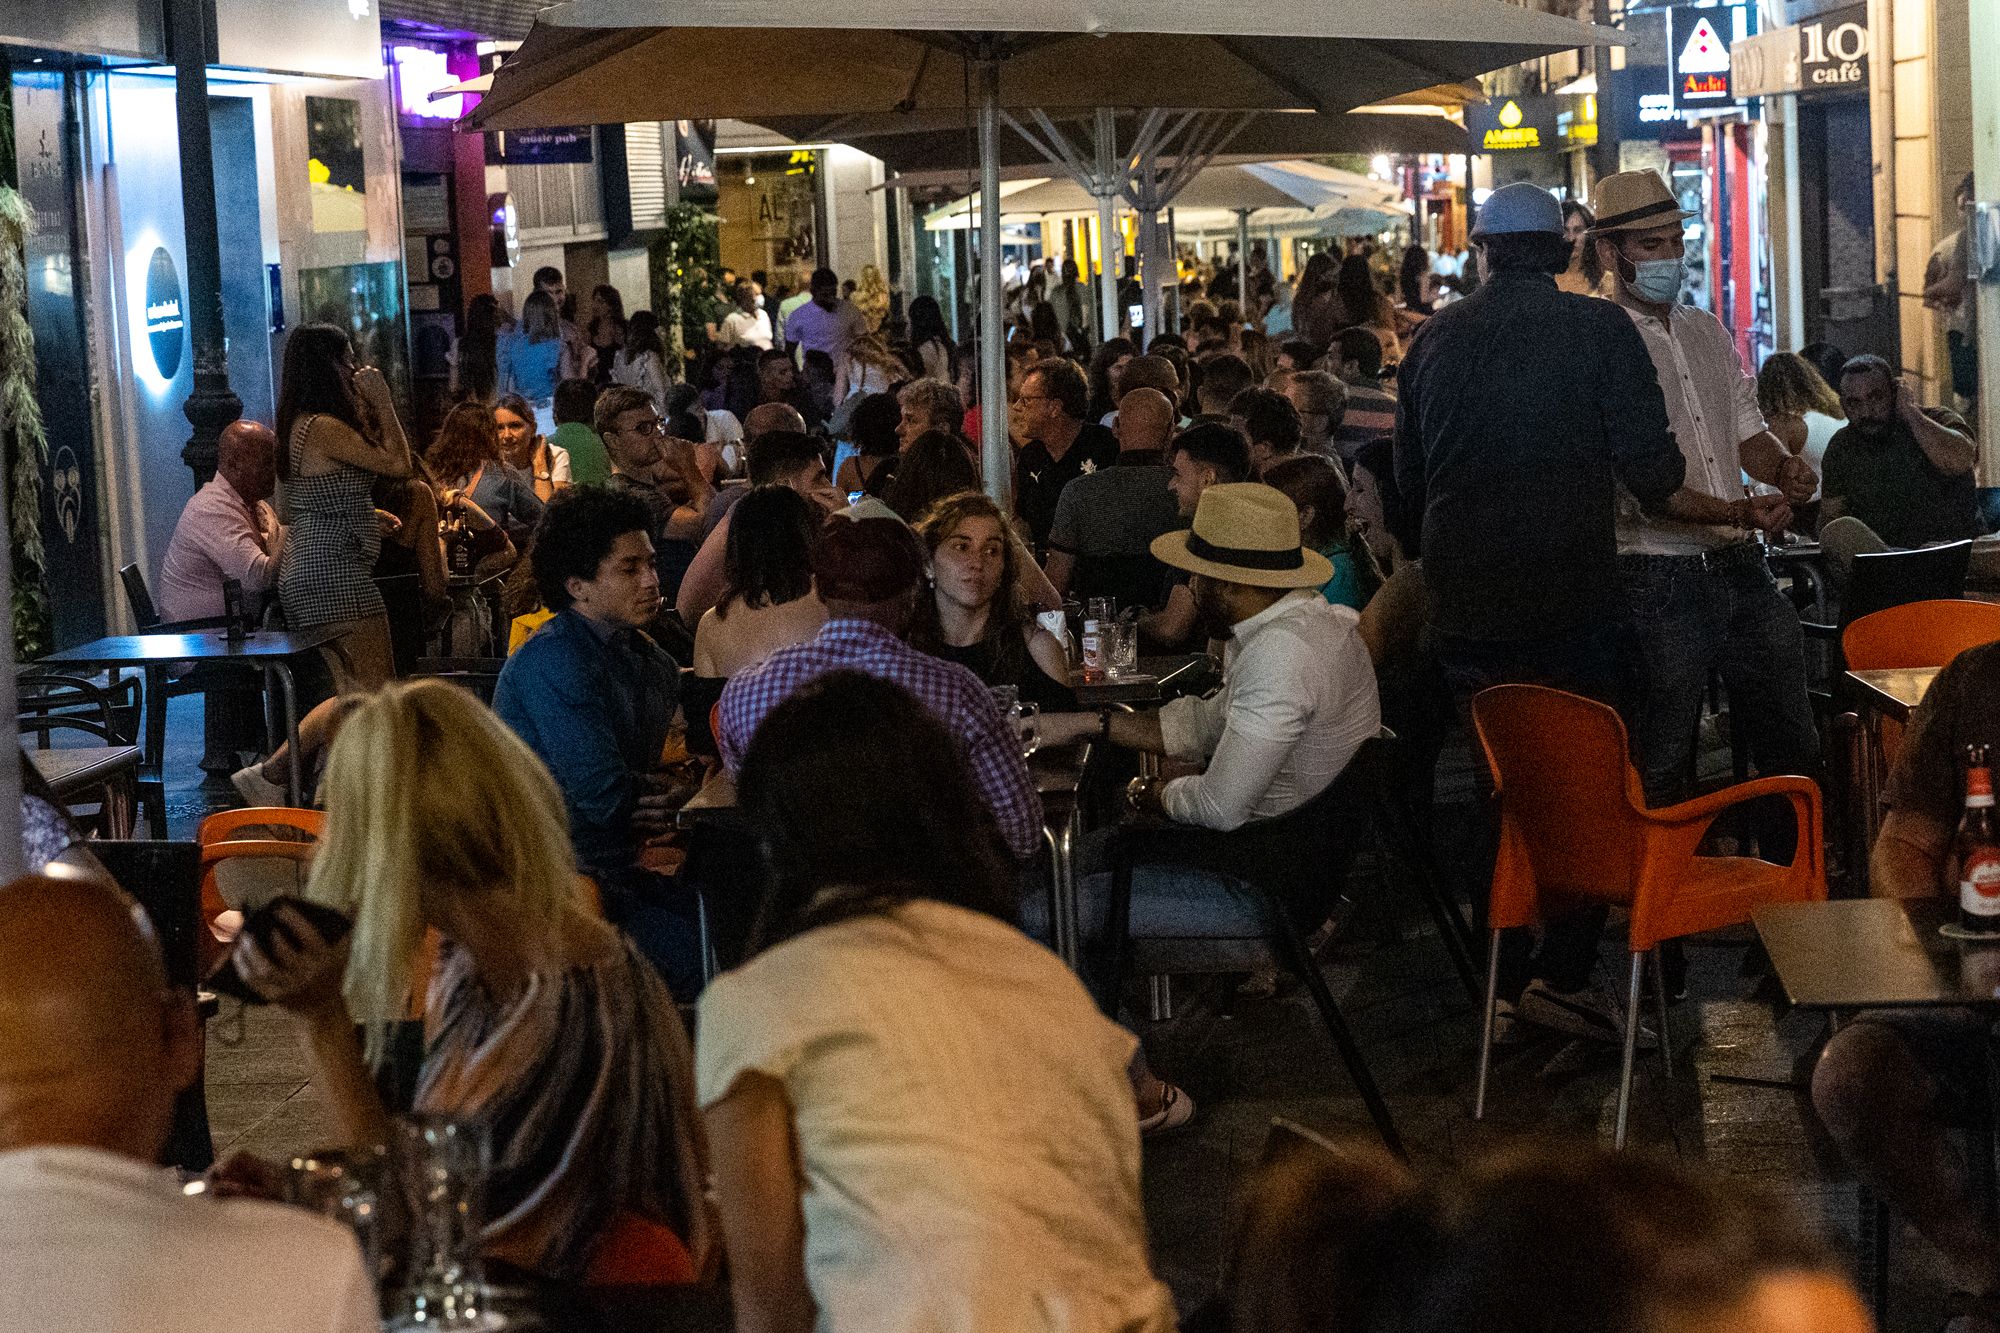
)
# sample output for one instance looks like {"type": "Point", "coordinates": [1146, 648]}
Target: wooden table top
{"type": "Point", "coordinates": [1895, 693]}
{"type": "Point", "coordinates": [1877, 953]}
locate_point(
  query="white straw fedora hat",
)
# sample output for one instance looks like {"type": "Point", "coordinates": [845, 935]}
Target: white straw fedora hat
{"type": "Point", "coordinates": [1245, 532]}
{"type": "Point", "coordinates": [1635, 201]}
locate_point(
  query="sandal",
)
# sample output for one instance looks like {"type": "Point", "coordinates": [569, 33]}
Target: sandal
{"type": "Point", "coordinates": [1176, 1109]}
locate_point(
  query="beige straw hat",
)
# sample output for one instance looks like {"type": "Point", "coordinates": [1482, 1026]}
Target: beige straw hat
{"type": "Point", "coordinates": [1245, 532]}
{"type": "Point", "coordinates": [1635, 201]}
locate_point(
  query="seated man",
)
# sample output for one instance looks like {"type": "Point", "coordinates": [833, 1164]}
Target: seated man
{"type": "Point", "coordinates": [1101, 544]}
{"type": "Point", "coordinates": [1270, 423]}
{"type": "Point", "coordinates": [1371, 409]}
{"type": "Point", "coordinates": [228, 531]}
{"type": "Point", "coordinates": [594, 696]}
{"type": "Point", "coordinates": [576, 410]}
{"type": "Point", "coordinates": [1907, 477]}
{"type": "Point", "coordinates": [870, 572]}
{"type": "Point", "coordinates": [94, 1047]}
{"type": "Point", "coordinates": [787, 457]}
{"type": "Point", "coordinates": [1321, 402]}
{"type": "Point", "coordinates": [1202, 456]}
{"type": "Point", "coordinates": [1891, 1083]}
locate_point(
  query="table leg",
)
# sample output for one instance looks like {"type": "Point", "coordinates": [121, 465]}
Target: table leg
{"type": "Point", "coordinates": [1063, 926]}
{"type": "Point", "coordinates": [281, 671]}
{"type": "Point", "coordinates": [121, 798]}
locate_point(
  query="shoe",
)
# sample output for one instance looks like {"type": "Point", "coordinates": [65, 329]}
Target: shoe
{"type": "Point", "coordinates": [1587, 1013]}
{"type": "Point", "coordinates": [1176, 1109]}
{"type": "Point", "coordinates": [258, 790]}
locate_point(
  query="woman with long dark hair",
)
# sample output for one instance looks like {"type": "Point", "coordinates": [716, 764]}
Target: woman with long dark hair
{"type": "Point", "coordinates": [1364, 306]}
{"type": "Point", "coordinates": [975, 615]}
{"type": "Point", "coordinates": [1316, 313]}
{"type": "Point", "coordinates": [937, 354]}
{"type": "Point", "coordinates": [605, 330]}
{"type": "Point", "coordinates": [642, 362]}
{"type": "Point", "coordinates": [337, 432]}
{"type": "Point", "coordinates": [476, 372]}
{"type": "Point", "coordinates": [873, 424]}
{"type": "Point", "coordinates": [1585, 274]}
{"type": "Point", "coordinates": [767, 600]}
{"type": "Point", "coordinates": [475, 479]}
{"type": "Point", "coordinates": [956, 1100]}
{"type": "Point", "coordinates": [1109, 359]}
{"type": "Point", "coordinates": [531, 358]}
{"type": "Point", "coordinates": [527, 450]}
{"type": "Point", "coordinates": [937, 465]}
{"type": "Point", "coordinates": [1416, 282]}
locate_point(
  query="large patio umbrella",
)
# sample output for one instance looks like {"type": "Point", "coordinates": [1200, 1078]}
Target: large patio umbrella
{"type": "Point", "coordinates": [1248, 186]}
{"type": "Point", "coordinates": [611, 61]}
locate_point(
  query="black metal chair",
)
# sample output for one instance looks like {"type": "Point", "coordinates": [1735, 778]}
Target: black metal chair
{"type": "Point", "coordinates": [1892, 578]}
{"type": "Point", "coordinates": [165, 878]}
{"type": "Point", "coordinates": [1295, 865]}
{"type": "Point", "coordinates": [478, 674]}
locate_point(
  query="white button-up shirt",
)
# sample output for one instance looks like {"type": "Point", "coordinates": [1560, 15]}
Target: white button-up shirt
{"type": "Point", "coordinates": [216, 539]}
{"type": "Point", "coordinates": [95, 1243]}
{"type": "Point", "coordinates": [1712, 407]}
{"type": "Point", "coordinates": [1297, 700]}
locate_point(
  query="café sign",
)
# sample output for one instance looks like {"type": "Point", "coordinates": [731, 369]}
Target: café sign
{"type": "Point", "coordinates": [1828, 55]}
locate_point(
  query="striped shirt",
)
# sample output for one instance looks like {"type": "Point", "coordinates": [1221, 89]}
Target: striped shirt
{"type": "Point", "coordinates": [953, 694]}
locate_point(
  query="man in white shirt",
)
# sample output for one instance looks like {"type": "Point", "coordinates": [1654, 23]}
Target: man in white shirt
{"type": "Point", "coordinates": [94, 1238]}
{"type": "Point", "coordinates": [746, 325]}
{"type": "Point", "coordinates": [1700, 596]}
{"type": "Point", "coordinates": [227, 531]}
{"type": "Point", "coordinates": [829, 323]}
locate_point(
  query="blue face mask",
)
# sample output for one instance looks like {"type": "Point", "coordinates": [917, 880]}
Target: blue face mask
{"type": "Point", "coordinates": [1658, 280]}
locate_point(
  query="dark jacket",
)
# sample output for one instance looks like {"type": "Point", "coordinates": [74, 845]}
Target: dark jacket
{"type": "Point", "coordinates": [1519, 408]}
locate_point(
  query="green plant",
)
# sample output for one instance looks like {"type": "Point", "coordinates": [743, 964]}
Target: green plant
{"type": "Point", "coordinates": [683, 263]}
{"type": "Point", "coordinates": [26, 446]}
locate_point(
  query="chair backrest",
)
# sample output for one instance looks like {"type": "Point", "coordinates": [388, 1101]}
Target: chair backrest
{"type": "Point", "coordinates": [479, 674]}
{"type": "Point", "coordinates": [144, 614]}
{"type": "Point", "coordinates": [165, 878]}
{"type": "Point", "coordinates": [1918, 634]}
{"type": "Point", "coordinates": [1567, 791]}
{"type": "Point", "coordinates": [1891, 578]}
{"type": "Point", "coordinates": [226, 824]}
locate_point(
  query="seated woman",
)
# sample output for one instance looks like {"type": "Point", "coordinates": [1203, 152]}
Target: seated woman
{"type": "Point", "coordinates": [1315, 485]}
{"type": "Point", "coordinates": [872, 425]}
{"type": "Point", "coordinates": [975, 615]}
{"type": "Point", "coordinates": [542, 1022]}
{"type": "Point", "coordinates": [918, 1118]}
{"type": "Point", "coordinates": [768, 602]}
{"type": "Point", "coordinates": [544, 463]}
{"type": "Point", "coordinates": [465, 459]}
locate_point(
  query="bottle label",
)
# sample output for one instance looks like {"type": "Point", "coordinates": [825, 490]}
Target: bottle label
{"type": "Point", "coordinates": [1978, 787]}
{"type": "Point", "coordinates": [1979, 883]}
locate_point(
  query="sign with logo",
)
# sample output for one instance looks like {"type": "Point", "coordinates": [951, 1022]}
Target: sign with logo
{"type": "Point", "coordinates": [1512, 124]}
{"type": "Point", "coordinates": [165, 325]}
{"type": "Point", "coordinates": [533, 148]}
{"type": "Point", "coordinates": [1827, 56]}
{"type": "Point", "coordinates": [1700, 58]}
{"type": "Point", "coordinates": [694, 160]}
{"type": "Point", "coordinates": [1641, 106]}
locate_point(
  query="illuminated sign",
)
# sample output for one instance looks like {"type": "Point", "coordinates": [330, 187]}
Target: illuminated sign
{"type": "Point", "coordinates": [1510, 133]}
{"type": "Point", "coordinates": [420, 72]}
{"type": "Point", "coordinates": [1516, 124]}
{"type": "Point", "coordinates": [157, 310]}
{"type": "Point", "coordinates": [1700, 67]}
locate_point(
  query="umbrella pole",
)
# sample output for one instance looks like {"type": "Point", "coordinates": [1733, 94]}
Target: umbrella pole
{"type": "Point", "coordinates": [1110, 261]}
{"type": "Point", "coordinates": [1243, 263]}
{"type": "Point", "coordinates": [10, 771]}
{"type": "Point", "coordinates": [996, 450]}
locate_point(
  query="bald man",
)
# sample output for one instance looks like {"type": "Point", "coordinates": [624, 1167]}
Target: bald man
{"type": "Point", "coordinates": [227, 531]}
{"type": "Point", "coordinates": [94, 1046]}
{"type": "Point", "coordinates": [1101, 542]}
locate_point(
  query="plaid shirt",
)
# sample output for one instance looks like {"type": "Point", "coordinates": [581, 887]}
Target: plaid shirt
{"type": "Point", "coordinates": [953, 694]}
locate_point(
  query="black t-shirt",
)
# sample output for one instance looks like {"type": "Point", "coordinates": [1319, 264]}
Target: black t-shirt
{"type": "Point", "coordinates": [1889, 483]}
{"type": "Point", "coordinates": [1040, 479]}
{"type": "Point", "coordinates": [1958, 710]}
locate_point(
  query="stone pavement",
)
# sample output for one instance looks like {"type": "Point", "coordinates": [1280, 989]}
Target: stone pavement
{"type": "Point", "coordinates": [1246, 1060]}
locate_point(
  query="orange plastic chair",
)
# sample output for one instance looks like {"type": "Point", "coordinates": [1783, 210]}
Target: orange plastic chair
{"type": "Point", "coordinates": [1574, 829]}
{"type": "Point", "coordinates": [1918, 634]}
{"type": "Point", "coordinates": [218, 841]}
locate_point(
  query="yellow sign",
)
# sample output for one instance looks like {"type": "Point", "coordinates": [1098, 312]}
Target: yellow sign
{"type": "Point", "coordinates": [1510, 114]}
{"type": "Point", "coordinates": [1511, 134]}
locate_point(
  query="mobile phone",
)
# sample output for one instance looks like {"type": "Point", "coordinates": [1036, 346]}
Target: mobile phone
{"type": "Point", "coordinates": [1135, 316]}
{"type": "Point", "coordinates": [265, 925]}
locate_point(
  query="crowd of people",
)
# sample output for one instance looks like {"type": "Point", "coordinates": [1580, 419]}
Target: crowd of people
{"type": "Point", "coordinates": [778, 590]}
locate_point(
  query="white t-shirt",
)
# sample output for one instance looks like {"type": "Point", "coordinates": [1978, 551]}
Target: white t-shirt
{"type": "Point", "coordinates": [91, 1242]}
{"type": "Point", "coordinates": [966, 1127]}
{"type": "Point", "coordinates": [746, 328]}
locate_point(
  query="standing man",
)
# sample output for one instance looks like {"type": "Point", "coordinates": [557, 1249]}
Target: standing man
{"type": "Point", "coordinates": [829, 323]}
{"type": "Point", "coordinates": [1102, 542]}
{"type": "Point", "coordinates": [1948, 291]}
{"type": "Point", "coordinates": [1062, 445]}
{"type": "Point", "coordinates": [1696, 586]}
{"type": "Point", "coordinates": [577, 353]}
{"type": "Point", "coordinates": [1523, 408]}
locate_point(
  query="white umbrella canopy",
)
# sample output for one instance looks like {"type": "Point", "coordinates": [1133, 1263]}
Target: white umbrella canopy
{"type": "Point", "coordinates": [613, 61]}
{"type": "Point", "coordinates": [1214, 189]}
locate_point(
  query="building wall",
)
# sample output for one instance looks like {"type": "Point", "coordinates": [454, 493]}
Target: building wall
{"type": "Point", "coordinates": [858, 229]}
{"type": "Point", "coordinates": [1915, 168]}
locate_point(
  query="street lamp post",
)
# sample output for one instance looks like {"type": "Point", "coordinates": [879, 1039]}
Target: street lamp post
{"type": "Point", "coordinates": [213, 404]}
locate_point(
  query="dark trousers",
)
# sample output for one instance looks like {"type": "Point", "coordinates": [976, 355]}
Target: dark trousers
{"type": "Point", "coordinates": [662, 916]}
{"type": "Point", "coordinates": [232, 714]}
{"type": "Point", "coordinates": [1590, 662]}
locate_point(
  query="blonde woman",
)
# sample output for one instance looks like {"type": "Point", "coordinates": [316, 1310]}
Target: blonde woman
{"type": "Point", "coordinates": [1801, 407]}
{"type": "Point", "coordinates": [542, 1022]}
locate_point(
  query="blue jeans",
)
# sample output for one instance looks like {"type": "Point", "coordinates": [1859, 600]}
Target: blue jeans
{"type": "Point", "coordinates": [1587, 661]}
{"type": "Point", "coordinates": [1688, 622]}
{"type": "Point", "coordinates": [662, 917]}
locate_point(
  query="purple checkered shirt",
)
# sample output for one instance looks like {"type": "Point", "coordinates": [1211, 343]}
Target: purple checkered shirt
{"type": "Point", "coordinates": [953, 694]}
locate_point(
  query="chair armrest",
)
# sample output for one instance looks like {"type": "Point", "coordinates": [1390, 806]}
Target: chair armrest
{"type": "Point", "coordinates": [1703, 809]}
{"type": "Point", "coordinates": [1819, 630]}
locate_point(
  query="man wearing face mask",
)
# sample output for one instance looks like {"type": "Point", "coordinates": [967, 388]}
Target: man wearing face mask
{"type": "Point", "coordinates": [1700, 596]}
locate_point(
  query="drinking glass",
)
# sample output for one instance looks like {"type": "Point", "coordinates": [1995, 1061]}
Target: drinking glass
{"type": "Point", "coordinates": [1122, 649]}
{"type": "Point", "coordinates": [1007, 698]}
{"type": "Point", "coordinates": [443, 1164]}
{"type": "Point", "coordinates": [1027, 720]}
{"type": "Point", "coordinates": [345, 1184]}
{"type": "Point", "coordinates": [1100, 609]}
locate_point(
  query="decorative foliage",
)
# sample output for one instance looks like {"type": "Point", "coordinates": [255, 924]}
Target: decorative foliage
{"type": "Point", "coordinates": [684, 263]}
{"type": "Point", "coordinates": [26, 446]}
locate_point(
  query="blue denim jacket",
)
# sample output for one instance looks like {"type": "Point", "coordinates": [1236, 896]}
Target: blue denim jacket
{"type": "Point", "coordinates": [595, 706]}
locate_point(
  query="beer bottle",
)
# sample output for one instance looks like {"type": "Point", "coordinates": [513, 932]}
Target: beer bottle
{"type": "Point", "coordinates": [1978, 849]}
